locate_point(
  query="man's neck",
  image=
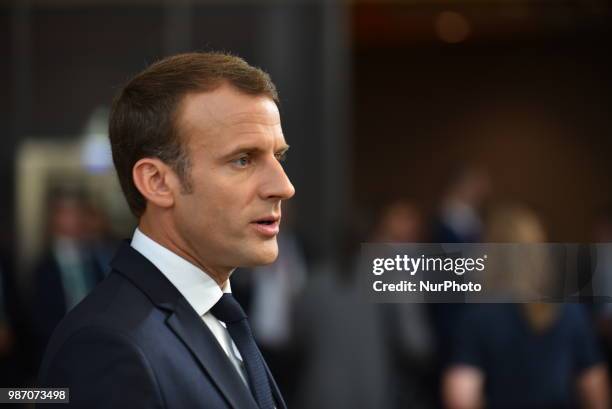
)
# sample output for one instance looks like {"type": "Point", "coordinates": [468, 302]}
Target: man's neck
{"type": "Point", "coordinates": [172, 242]}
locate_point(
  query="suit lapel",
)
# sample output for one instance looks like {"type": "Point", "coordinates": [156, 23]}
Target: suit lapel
{"type": "Point", "coordinates": [201, 342]}
{"type": "Point", "coordinates": [186, 324]}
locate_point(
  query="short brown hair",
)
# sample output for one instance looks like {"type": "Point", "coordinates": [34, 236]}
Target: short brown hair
{"type": "Point", "coordinates": [143, 120]}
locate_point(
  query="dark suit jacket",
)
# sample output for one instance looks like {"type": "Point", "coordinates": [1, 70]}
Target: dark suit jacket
{"type": "Point", "coordinates": [135, 342]}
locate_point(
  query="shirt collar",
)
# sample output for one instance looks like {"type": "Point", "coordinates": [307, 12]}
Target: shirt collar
{"type": "Point", "coordinates": [199, 289]}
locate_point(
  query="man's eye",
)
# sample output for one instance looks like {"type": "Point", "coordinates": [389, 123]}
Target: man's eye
{"type": "Point", "coordinates": [242, 161]}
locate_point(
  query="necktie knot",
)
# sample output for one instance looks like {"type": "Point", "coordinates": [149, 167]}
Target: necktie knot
{"type": "Point", "coordinates": [228, 310]}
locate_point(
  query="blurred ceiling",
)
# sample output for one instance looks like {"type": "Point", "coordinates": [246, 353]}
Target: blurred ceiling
{"type": "Point", "coordinates": [392, 23]}
{"type": "Point", "coordinates": [412, 22]}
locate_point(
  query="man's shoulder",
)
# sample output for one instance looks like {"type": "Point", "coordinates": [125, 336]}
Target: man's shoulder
{"type": "Point", "coordinates": [116, 305]}
{"type": "Point", "coordinates": [112, 303]}
{"type": "Point", "coordinates": [115, 316]}
{"type": "Point", "coordinates": [102, 365]}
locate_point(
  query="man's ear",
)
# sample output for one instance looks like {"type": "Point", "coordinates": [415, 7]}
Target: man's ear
{"type": "Point", "coordinates": [156, 181]}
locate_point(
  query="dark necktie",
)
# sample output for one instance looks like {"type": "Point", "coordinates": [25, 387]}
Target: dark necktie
{"type": "Point", "coordinates": [231, 313]}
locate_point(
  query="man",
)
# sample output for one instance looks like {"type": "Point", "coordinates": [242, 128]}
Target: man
{"type": "Point", "coordinates": [197, 144]}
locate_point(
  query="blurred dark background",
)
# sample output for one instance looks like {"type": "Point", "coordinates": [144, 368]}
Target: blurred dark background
{"type": "Point", "coordinates": [527, 93]}
{"type": "Point", "coordinates": [400, 114]}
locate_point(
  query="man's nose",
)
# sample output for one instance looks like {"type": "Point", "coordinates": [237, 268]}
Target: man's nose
{"type": "Point", "coordinates": [276, 184]}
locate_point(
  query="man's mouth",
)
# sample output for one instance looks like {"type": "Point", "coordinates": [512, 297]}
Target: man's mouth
{"type": "Point", "coordinates": [267, 226]}
{"type": "Point", "coordinates": [265, 222]}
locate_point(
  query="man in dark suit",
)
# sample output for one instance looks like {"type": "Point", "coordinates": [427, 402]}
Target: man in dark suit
{"type": "Point", "coordinates": [197, 144]}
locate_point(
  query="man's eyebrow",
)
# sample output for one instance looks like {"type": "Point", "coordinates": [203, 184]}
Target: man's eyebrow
{"type": "Point", "coordinates": [250, 148]}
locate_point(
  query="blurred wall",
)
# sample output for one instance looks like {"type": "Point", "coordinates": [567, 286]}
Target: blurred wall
{"type": "Point", "coordinates": [527, 95]}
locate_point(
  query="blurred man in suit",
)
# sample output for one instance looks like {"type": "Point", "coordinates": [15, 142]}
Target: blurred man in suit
{"type": "Point", "coordinates": [67, 272]}
{"type": "Point", "coordinates": [197, 144]}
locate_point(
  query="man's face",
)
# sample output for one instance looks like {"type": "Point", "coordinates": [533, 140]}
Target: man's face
{"type": "Point", "coordinates": [232, 214]}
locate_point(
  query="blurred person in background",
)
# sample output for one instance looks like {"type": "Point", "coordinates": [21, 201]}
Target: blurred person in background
{"type": "Point", "coordinates": [524, 355]}
{"type": "Point", "coordinates": [409, 330]}
{"type": "Point", "coordinates": [399, 221]}
{"type": "Point", "coordinates": [356, 354]}
{"type": "Point", "coordinates": [459, 220]}
{"type": "Point", "coordinates": [98, 240]}
{"type": "Point", "coordinates": [67, 272]}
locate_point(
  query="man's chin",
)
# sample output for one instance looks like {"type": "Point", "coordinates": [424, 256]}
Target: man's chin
{"type": "Point", "coordinates": [264, 255]}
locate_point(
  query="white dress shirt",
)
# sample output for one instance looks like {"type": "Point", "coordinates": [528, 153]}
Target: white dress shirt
{"type": "Point", "coordinates": [199, 289]}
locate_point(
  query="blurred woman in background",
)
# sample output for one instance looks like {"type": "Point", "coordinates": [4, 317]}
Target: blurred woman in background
{"type": "Point", "coordinates": [531, 355]}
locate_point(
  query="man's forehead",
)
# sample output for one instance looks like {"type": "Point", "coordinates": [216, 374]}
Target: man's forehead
{"type": "Point", "coordinates": [227, 106]}
{"type": "Point", "coordinates": [206, 116]}
{"type": "Point", "coordinates": [250, 118]}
